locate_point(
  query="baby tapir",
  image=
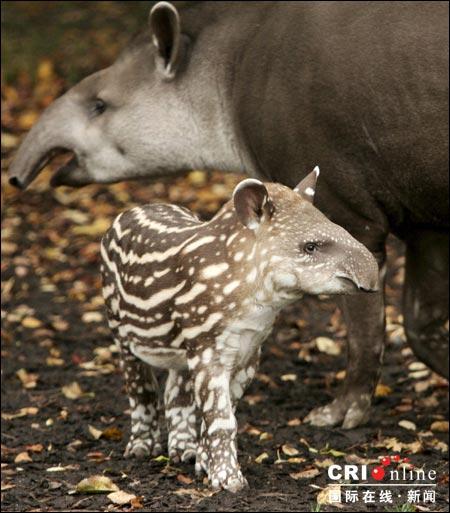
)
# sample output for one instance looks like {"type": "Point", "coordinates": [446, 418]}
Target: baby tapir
{"type": "Point", "coordinates": [199, 298]}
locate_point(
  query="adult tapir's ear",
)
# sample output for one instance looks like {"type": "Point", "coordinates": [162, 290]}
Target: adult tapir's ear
{"type": "Point", "coordinates": [165, 28]}
{"type": "Point", "coordinates": [307, 187]}
{"type": "Point", "coordinates": [252, 202]}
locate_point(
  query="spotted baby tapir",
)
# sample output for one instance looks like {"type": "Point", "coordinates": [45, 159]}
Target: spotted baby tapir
{"type": "Point", "coordinates": [199, 298]}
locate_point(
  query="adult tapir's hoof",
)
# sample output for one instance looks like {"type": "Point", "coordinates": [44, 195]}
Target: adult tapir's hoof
{"type": "Point", "coordinates": [351, 411]}
{"type": "Point", "coordinates": [139, 448]}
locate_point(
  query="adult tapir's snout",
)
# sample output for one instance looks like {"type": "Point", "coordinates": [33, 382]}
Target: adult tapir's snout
{"type": "Point", "coordinates": [53, 133]}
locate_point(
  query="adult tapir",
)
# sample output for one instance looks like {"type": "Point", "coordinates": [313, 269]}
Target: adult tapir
{"type": "Point", "coordinates": [271, 89]}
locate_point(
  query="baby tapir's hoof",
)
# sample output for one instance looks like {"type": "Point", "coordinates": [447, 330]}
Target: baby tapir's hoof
{"type": "Point", "coordinates": [233, 483]}
{"type": "Point", "coordinates": [183, 455]}
{"type": "Point", "coordinates": [139, 448]}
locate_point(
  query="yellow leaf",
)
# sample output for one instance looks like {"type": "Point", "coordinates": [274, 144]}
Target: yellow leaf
{"type": "Point", "coordinates": [289, 377]}
{"type": "Point", "coordinates": [440, 426]}
{"type": "Point", "coordinates": [120, 497]}
{"type": "Point", "coordinates": [28, 379]}
{"type": "Point", "coordinates": [382, 390]}
{"type": "Point", "coordinates": [261, 457]}
{"type": "Point", "coordinates": [96, 433]}
{"type": "Point", "coordinates": [22, 457]}
{"type": "Point", "coordinates": [407, 424]}
{"type": "Point", "coordinates": [328, 346]}
{"type": "Point", "coordinates": [31, 322]}
{"type": "Point", "coordinates": [96, 484]}
{"type": "Point", "coordinates": [98, 227]}
{"type": "Point", "coordinates": [289, 450]}
{"type": "Point", "coordinates": [309, 473]}
{"type": "Point", "coordinates": [72, 391]}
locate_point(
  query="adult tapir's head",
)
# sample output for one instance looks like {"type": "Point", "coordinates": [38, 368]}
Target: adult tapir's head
{"type": "Point", "coordinates": [299, 249]}
{"type": "Point", "coordinates": [133, 119]}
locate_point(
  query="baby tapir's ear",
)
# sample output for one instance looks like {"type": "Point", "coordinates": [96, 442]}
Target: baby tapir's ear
{"type": "Point", "coordinates": [252, 202]}
{"type": "Point", "coordinates": [307, 187]}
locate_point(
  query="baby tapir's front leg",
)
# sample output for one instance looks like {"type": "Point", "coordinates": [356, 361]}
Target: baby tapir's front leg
{"type": "Point", "coordinates": [145, 405]}
{"type": "Point", "coordinates": [218, 451]}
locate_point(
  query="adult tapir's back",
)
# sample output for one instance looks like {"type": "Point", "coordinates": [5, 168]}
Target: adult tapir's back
{"type": "Point", "coordinates": [364, 85]}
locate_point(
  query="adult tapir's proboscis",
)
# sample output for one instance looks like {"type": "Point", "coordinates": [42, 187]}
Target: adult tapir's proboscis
{"type": "Point", "coordinates": [269, 89]}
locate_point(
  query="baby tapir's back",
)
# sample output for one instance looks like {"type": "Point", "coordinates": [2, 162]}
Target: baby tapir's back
{"type": "Point", "coordinates": [141, 271]}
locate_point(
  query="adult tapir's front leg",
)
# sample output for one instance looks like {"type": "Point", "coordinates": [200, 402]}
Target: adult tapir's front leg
{"type": "Point", "coordinates": [217, 448]}
{"type": "Point", "coordinates": [365, 320]}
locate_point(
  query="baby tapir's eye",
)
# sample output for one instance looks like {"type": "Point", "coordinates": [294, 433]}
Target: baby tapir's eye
{"type": "Point", "coordinates": [310, 247]}
{"type": "Point", "coordinates": [99, 106]}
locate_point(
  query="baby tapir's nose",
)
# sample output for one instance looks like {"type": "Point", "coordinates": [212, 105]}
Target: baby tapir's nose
{"type": "Point", "coordinates": [366, 273]}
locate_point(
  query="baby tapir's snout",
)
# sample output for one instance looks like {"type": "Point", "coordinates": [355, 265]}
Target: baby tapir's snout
{"type": "Point", "coordinates": [358, 266]}
{"type": "Point", "coordinates": [199, 298]}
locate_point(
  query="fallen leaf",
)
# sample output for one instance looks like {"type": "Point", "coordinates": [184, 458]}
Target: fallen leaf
{"type": "Point", "coordinates": [120, 497]}
{"type": "Point", "coordinates": [328, 346]}
{"type": "Point", "coordinates": [35, 447]}
{"type": "Point", "coordinates": [96, 433]}
{"type": "Point", "coordinates": [72, 391]}
{"type": "Point", "coordinates": [440, 426]}
{"type": "Point", "coordinates": [395, 445]}
{"type": "Point", "coordinates": [294, 422]}
{"type": "Point", "coordinates": [184, 479]}
{"type": "Point", "coordinates": [305, 474]}
{"type": "Point", "coordinates": [194, 493]}
{"type": "Point", "coordinates": [60, 468]}
{"type": "Point", "coordinates": [325, 463]}
{"type": "Point", "coordinates": [112, 433]}
{"type": "Point", "coordinates": [28, 379]}
{"type": "Point", "coordinates": [54, 362]}
{"type": "Point", "coordinates": [330, 495]}
{"type": "Point", "coordinates": [92, 317]}
{"type": "Point", "coordinates": [263, 456]}
{"type": "Point", "coordinates": [22, 457]}
{"type": "Point", "coordinates": [98, 227]}
{"type": "Point", "coordinates": [30, 410]}
{"type": "Point", "coordinates": [289, 450]}
{"type": "Point", "coordinates": [407, 424]}
{"type": "Point", "coordinates": [382, 390]}
{"type": "Point", "coordinates": [289, 377]}
{"type": "Point", "coordinates": [96, 484]}
{"type": "Point", "coordinates": [31, 322]}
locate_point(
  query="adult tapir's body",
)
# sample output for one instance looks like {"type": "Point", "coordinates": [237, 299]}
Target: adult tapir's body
{"type": "Point", "coordinates": [269, 89]}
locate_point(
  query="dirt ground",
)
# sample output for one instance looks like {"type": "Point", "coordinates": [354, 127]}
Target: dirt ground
{"type": "Point", "coordinates": [54, 334]}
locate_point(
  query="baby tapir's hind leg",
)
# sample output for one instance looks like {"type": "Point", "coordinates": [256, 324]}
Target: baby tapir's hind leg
{"type": "Point", "coordinates": [180, 415]}
{"type": "Point", "coordinates": [145, 405]}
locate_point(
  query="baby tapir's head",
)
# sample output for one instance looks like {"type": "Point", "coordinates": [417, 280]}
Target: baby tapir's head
{"type": "Point", "coordinates": [299, 250]}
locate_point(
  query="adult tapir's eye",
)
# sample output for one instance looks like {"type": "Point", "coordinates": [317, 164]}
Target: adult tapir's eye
{"type": "Point", "coordinates": [99, 106]}
{"type": "Point", "coordinates": [310, 247]}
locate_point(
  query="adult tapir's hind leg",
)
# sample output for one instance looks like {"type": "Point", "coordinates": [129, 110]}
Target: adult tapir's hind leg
{"type": "Point", "coordinates": [425, 298]}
